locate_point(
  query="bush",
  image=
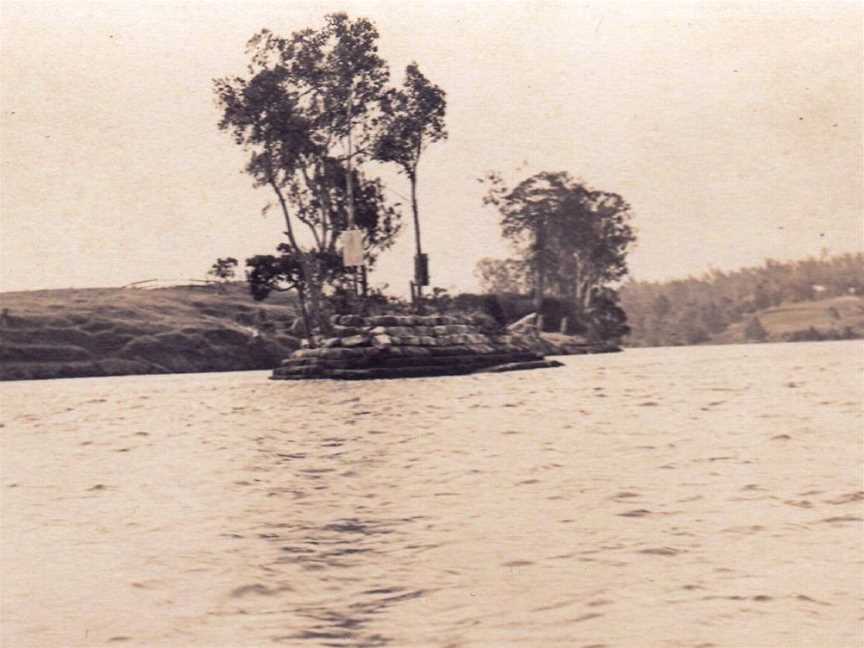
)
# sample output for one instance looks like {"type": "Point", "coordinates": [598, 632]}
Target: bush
{"type": "Point", "coordinates": [492, 307]}
{"type": "Point", "coordinates": [755, 331]}
{"type": "Point", "coordinates": [813, 334]}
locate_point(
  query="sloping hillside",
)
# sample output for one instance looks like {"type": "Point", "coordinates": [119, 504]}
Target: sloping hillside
{"type": "Point", "coordinates": [116, 331]}
{"type": "Point", "coordinates": [718, 306]}
{"type": "Point", "coordinates": [825, 319]}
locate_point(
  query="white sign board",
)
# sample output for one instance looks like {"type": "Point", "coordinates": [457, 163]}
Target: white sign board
{"type": "Point", "coordinates": [352, 248]}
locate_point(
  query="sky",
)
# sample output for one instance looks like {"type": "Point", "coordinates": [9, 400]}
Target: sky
{"type": "Point", "coordinates": [733, 129]}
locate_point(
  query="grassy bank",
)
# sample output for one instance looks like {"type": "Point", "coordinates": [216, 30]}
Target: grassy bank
{"type": "Point", "coordinates": [116, 331]}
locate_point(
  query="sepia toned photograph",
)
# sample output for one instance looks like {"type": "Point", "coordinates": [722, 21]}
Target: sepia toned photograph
{"type": "Point", "coordinates": [431, 324]}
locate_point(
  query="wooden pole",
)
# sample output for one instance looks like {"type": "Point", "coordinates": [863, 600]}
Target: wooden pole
{"type": "Point", "coordinates": [348, 181]}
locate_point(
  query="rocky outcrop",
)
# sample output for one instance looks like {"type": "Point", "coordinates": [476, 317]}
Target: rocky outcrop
{"type": "Point", "coordinates": [402, 346]}
{"type": "Point", "coordinates": [527, 324]}
{"type": "Point", "coordinates": [561, 344]}
{"type": "Point", "coordinates": [557, 343]}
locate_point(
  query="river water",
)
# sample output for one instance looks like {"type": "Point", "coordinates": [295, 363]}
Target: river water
{"type": "Point", "coordinates": [688, 497]}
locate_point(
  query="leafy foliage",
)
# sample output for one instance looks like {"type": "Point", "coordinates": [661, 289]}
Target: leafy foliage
{"type": "Point", "coordinates": [413, 117]}
{"type": "Point", "coordinates": [503, 275]}
{"type": "Point", "coordinates": [294, 111]}
{"type": "Point", "coordinates": [755, 331]}
{"type": "Point", "coordinates": [607, 320]}
{"type": "Point", "coordinates": [571, 242]}
{"type": "Point", "coordinates": [268, 273]}
{"type": "Point", "coordinates": [224, 269]}
{"type": "Point", "coordinates": [573, 238]}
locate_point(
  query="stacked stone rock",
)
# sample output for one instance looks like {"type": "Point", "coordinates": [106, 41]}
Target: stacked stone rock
{"type": "Point", "coordinates": [402, 346]}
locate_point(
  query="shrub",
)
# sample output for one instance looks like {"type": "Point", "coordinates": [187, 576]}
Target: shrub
{"type": "Point", "coordinates": [755, 331]}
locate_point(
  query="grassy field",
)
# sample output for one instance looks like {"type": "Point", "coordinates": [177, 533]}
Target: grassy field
{"type": "Point", "coordinates": [116, 331]}
{"type": "Point", "coordinates": [829, 318]}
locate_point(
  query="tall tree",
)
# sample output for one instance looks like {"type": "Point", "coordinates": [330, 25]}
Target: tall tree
{"type": "Point", "coordinates": [592, 239]}
{"type": "Point", "coordinates": [304, 96]}
{"type": "Point", "coordinates": [528, 213]}
{"type": "Point", "coordinates": [574, 239]}
{"type": "Point", "coordinates": [413, 119]}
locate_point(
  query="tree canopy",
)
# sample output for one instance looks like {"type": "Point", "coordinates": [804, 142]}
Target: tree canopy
{"type": "Point", "coordinates": [303, 97]}
{"type": "Point", "coordinates": [503, 275]}
{"type": "Point", "coordinates": [413, 119]}
{"type": "Point", "coordinates": [574, 239]}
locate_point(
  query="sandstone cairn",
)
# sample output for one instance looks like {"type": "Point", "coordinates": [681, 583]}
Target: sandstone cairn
{"type": "Point", "coordinates": [404, 346]}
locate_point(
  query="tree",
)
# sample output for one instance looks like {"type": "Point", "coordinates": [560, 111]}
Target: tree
{"type": "Point", "coordinates": [595, 237]}
{"type": "Point", "coordinates": [755, 331]}
{"type": "Point", "coordinates": [306, 98]}
{"type": "Point", "coordinates": [574, 239]}
{"type": "Point", "coordinates": [688, 326]}
{"type": "Point", "coordinates": [413, 118]}
{"type": "Point", "coordinates": [661, 306]}
{"type": "Point", "coordinates": [528, 212]}
{"type": "Point", "coordinates": [224, 270]}
{"type": "Point", "coordinates": [281, 273]}
{"type": "Point", "coordinates": [608, 321]}
{"type": "Point", "coordinates": [502, 275]}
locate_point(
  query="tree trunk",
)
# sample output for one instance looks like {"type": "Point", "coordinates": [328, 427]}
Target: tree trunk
{"type": "Point", "coordinates": [301, 293]}
{"type": "Point", "coordinates": [314, 284]}
{"type": "Point", "coordinates": [415, 211]}
{"type": "Point", "coordinates": [539, 267]}
{"type": "Point", "coordinates": [308, 272]}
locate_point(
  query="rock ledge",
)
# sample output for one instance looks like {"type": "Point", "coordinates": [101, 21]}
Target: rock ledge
{"type": "Point", "coordinates": [407, 346]}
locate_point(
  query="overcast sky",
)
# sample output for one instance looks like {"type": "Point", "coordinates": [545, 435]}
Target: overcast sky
{"type": "Point", "coordinates": [733, 129]}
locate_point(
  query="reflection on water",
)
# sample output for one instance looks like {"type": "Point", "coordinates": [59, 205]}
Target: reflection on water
{"type": "Point", "coordinates": [661, 497]}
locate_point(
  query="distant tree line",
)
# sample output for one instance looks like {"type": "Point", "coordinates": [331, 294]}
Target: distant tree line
{"type": "Point", "coordinates": [693, 310]}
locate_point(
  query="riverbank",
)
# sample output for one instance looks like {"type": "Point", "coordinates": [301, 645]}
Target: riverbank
{"type": "Point", "coordinates": [117, 331]}
{"type": "Point", "coordinates": [189, 329]}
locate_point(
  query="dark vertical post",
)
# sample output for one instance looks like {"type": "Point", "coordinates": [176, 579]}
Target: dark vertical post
{"type": "Point", "coordinates": [349, 188]}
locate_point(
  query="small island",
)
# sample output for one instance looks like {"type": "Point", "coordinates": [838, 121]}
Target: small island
{"type": "Point", "coordinates": [390, 346]}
